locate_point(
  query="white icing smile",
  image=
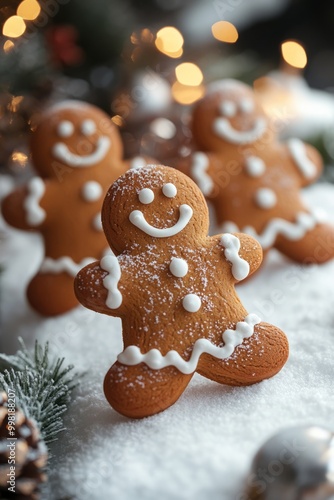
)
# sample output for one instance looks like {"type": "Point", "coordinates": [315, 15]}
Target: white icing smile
{"type": "Point", "coordinates": [62, 153]}
{"type": "Point", "coordinates": [223, 128]}
{"type": "Point", "coordinates": [137, 218]}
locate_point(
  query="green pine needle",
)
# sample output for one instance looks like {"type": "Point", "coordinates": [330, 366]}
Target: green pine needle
{"type": "Point", "coordinates": [42, 387]}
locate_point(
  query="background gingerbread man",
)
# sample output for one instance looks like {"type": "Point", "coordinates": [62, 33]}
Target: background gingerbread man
{"type": "Point", "coordinates": [252, 180]}
{"type": "Point", "coordinates": [173, 287]}
{"type": "Point", "coordinates": [77, 152]}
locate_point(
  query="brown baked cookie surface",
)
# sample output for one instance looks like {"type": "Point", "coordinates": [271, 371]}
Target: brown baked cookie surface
{"type": "Point", "coordinates": [77, 152]}
{"type": "Point", "coordinates": [173, 287]}
{"type": "Point", "coordinates": [252, 179]}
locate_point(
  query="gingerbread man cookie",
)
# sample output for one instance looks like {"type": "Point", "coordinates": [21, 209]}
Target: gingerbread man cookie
{"type": "Point", "coordinates": [173, 287]}
{"type": "Point", "coordinates": [77, 152]}
{"type": "Point", "coordinates": [252, 180]}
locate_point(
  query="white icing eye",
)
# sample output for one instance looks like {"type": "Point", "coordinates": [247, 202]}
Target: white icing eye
{"type": "Point", "coordinates": [228, 108]}
{"type": "Point", "coordinates": [178, 267]}
{"type": "Point", "coordinates": [255, 166]}
{"type": "Point", "coordinates": [146, 196]}
{"type": "Point", "coordinates": [91, 191]}
{"type": "Point", "coordinates": [65, 128]}
{"type": "Point", "coordinates": [169, 190]}
{"type": "Point", "coordinates": [246, 105]}
{"type": "Point", "coordinates": [88, 127]}
{"type": "Point", "coordinates": [191, 303]}
{"type": "Point", "coordinates": [265, 198]}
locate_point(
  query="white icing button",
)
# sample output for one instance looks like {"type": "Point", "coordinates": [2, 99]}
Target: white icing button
{"type": "Point", "coordinates": [146, 196]}
{"type": "Point", "coordinates": [169, 190]}
{"type": "Point", "coordinates": [65, 128]}
{"type": "Point", "coordinates": [91, 191]}
{"type": "Point", "coordinates": [138, 162]}
{"type": "Point", "coordinates": [191, 303]}
{"type": "Point", "coordinates": [178, 267]}
{"type": "Point", "coordinates": [255, 166]}
{"type": "Point", "coordinates": [246, 105]}
{"type": "Point", "coordinates": [265, 198]}
{"type": "Point", "coordinates": [88, 127]}
{"type": "Point", "coordinates": [228, 108]}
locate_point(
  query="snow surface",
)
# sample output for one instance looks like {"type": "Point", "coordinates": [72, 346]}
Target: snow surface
{"type": "Point", "coordinates": [201, 447]}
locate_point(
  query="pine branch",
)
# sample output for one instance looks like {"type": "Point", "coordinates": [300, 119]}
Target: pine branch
{"type": "Point", "coordinates": [43, 388]}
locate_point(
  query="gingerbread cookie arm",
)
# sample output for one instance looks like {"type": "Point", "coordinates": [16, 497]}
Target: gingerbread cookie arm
{"type": "Point", "coordinates": [306, 159]}
{"type": "Point", "coordinates": [99, 286]}
{"type": "Point", "coordinates": [243, 252]}
{"type": "Point", "coordinates": [23, 208]}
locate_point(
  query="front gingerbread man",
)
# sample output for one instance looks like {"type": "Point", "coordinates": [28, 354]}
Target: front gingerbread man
{"type": "Point", "coordinates": [173, 287]}
{"type": "Point", "coordinates": [77, 152]}
{"type": "Point", "coordinates": [252, 180]}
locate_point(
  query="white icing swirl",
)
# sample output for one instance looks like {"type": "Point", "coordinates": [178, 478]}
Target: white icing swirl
{"type": "Point", "coordinates": [199, 167]}
{"type": "Point", "coordinates": [110, 264]}
{"type": "Point", "coordinates": [132, 355]}
{"type": "Point", "coordinates": [91, 191]}
{"type": "Point", "coordinates": [240, 267]}
{"type": "Point", "coordinates": [191, 303]}
{"type": "Point", "coordinates": [304, 164]}
{"type": "Point", "coordinates": [293, 231]}
{"type": "Point", "coordinates": [35, 214]}
{"type": "Point", "coordinates": [61, 152]}
{"type": "Point", "coordinates": [265, 198]}
{"type": "Point", "coordinates": [223, 128]}
{"type": "Point", "coordinates": [137, 218]}
{"type": "Point", "coordinates": [178, 267]}
{"type": "Point", "coordinates": [64, 264]}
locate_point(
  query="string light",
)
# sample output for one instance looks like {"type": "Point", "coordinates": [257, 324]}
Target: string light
{"type": "Point", "coordinates": [225, 32]}
{"type": "Point", "coordinates": [189, 74]}
{"type": "Point", "coordinates": [29, 9]}
{"type": "Point", "coordinates": [294, 54]}
{"type": "Point", "coordinates": [14, 27]}
{"type": "Point", "coordinates": [20, 158]}
{"type": "Point", "coordinates": [8, 46]}
{"type": "Point", "coordinates": [169, 41]}
{"type": "Point", "coordinates": [187, 94]}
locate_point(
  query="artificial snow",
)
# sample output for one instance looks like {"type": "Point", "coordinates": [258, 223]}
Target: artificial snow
{"type": "Point", "coordinates": [201, 447]}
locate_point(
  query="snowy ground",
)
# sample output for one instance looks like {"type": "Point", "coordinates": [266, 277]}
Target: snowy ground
{"type": "Point", "coordinates": [201, 447]}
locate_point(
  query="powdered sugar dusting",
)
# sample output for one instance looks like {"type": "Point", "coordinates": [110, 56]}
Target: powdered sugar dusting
{"type": "Point", "coordinates": [201, 447]}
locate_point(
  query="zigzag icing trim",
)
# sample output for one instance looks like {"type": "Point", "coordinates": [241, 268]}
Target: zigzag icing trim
{"type": "Point", "coordinates": [132, 355]}
{"type": "Point", "coordinates": [293, 231]}
{"type": "Point", "coordinates": [64, 264]}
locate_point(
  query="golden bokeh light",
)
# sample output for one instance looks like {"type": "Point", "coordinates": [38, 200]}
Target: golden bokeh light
{"type": "Point", "coordinates": [8, 46]}
{"type": "Point", "coordinates": [117, 120]}
{"type": "Point", "coordinates": [294, 54]}
{"type": "Point", "coordinates": [187, 94]}
{"type": "Point", "coordinates": [189, 74]}
{"type": "Point", "coordinates": [14, 27]}
{"type": "Point", "coordinates": [20, 158]}
{"type": "Point", "coordinates": [29, 9]}
{"type": "Point", "coordinates": [225, 32]}
{"type": "Point", "coordinates": [169, 41]}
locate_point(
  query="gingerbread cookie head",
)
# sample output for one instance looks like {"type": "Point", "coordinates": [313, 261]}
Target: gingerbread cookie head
{"type": "Point", "coordinates": [229, 114]}
{"type": "Point", "coordinates": [74, 135]}
{"type": "Point", "coordinates": [153, 203]}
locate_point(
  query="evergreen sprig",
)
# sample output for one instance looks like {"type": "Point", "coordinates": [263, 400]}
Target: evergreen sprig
{"type": "Point", "coordinates": [42, 387]}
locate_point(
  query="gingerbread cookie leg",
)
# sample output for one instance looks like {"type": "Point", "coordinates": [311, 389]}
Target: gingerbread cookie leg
{"type": "Point", "coordinates": [138, 391]}
{"type": "Point", "coordinates": [317, 246]}
{"type": "Point", "coordinates": [259, 357]}
{"type": "Point", "coordinates": [44, 287]}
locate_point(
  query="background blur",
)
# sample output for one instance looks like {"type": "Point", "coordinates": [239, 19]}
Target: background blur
{"type": "Point", "coordinates": [128, 58]}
